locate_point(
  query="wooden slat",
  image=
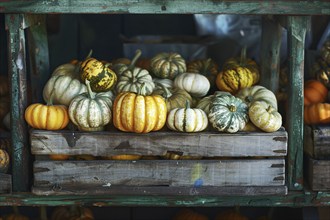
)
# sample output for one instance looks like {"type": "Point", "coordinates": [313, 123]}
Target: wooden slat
{"type": "Point", "coordinates": [5, 183]}
{"type": "Point", "coordinates": [293, 7]}
{"type": "Point", "coordinates": [158, 143]}
{"type": "Point", "coordinates": [193, 173]}
{"type": "Point", "coordinates": [165, 191]}
{"type": "Point", "coordinates": [317, 141]}
{"type": "Point", "coordinates": [318, 174]}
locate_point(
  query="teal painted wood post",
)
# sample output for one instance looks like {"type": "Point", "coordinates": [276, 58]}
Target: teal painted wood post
{"type": "Point", "coordinates": [37, 42]}
{"type": "Point", "coordinates": [297, 27]}
{"type": "Point", "coordinates": [270, 53]}
{"type": "Point", "coordinates": [17, 76]}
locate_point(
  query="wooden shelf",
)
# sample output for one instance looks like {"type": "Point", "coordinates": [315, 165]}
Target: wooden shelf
{"type": "Point", "coordinates": [293, 7]}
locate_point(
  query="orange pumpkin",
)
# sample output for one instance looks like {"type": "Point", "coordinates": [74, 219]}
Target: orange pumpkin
{"type": "Point", "coordinates": [189, 214]}
{"type": "Point", "coordinates": [230, 214]}
{"type": "Point", "coordinates": [318, 113]}
{"type": "Point", "coordinates": [314, 92]}
{"type": "Point", "coordinates": [72, 213]}
{"type": "Point", "coordinates": [59, 156]}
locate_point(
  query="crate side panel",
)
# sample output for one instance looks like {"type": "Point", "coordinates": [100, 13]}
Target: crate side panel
{"type": "Point", "coordinates": [5, 183]}
{"type": "Point", "coordinates": [267, 172]}
{"type": "Point", "coordinates": [206, 144]}
{"type": "Point", "coordinates": [318, 174]}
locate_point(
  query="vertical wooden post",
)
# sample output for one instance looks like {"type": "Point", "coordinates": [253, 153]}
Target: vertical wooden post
{"type": "Point", "coordinates": [270, 53]}
{"type": "Point", "coordinates": [38, 53]}
{"type": "Point", "coordinates": [17, 75]}
{"type": "Point", "coordinates": [297, 27]}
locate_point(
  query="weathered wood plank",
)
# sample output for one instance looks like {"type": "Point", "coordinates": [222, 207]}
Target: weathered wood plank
{"type": "Point", "coordinates": [270, 53]}
{"type": "Point", "coordinates": [297, 27]}
{"type": "Point", "coordinates": [318, 175]}
{"type": "Point", "coordinates": [317, 141]}
{"type": "Point", "coordinates": [191, 173]}
{"type": "Point", "coordinates": [165, 191]}
{"type": "Point", "coordinates": [293, 7]}
{"type": "Point", "coordinates": [5, 183]}
{"type": "Point", "coordinates": [18, 73]}
{"type": "Point", "coordinates": [158, 143]}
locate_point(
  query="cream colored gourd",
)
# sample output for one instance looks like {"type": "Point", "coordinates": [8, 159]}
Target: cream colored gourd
{"type": "Point", "coordinates": [187, 119]}
{"type": "Point", "coordinates": [257, 93]}
{"type": "Point", "coordinates": [265, 116]}
{"type": "Point", "coordinates": [194, 83]}
{"type": "Point", "coordinates": [66, 88]}
{"type": "Point", "coordinates": [91, 111]}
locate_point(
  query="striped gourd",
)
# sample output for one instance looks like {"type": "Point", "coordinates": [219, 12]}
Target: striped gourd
{"type": "Point", "coordinates": [168, 65]}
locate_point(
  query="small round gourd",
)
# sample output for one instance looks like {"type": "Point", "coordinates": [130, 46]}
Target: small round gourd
{"type": "Point", "coordinates": [131, 78]}
{"type": "Point", "coordinates": [187, 119]}
{"type": "Point", "coordinates": [101, 77]}
{"type": "Point", "coordinates": [228, 113]}
{"type": "Point", "coordinates": [205, 102]}
{"type": "Point", "coordinates": [47, 117]}
{"type": "Point", "coordinates": [91, 111]}
{"type": "Point", "coordinates": [314, 92]}
{"type": "Point", "coordinates": [174, 98]}
{"type": "Point", "coordinates": [133, 112]}
{"type": "Point", "coordinates": [4, 161]}
{"type": "Point", "coordinates": [194, 83]}
{"type": "Point", "coordinates": [167, 65]}
{"type": "Point", "coordinates": [257, 93]}
{"type": "Point", "coordinates": [238, 73]}
{"type": "Point", "coordinates": [265, 116]}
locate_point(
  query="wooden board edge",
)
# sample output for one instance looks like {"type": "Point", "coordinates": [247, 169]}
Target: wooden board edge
{"type": "Point", "coordinates": [5, 183]}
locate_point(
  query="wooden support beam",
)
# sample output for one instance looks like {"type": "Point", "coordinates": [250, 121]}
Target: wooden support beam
{"type": "Point", "coordinates": [17, 74]}
{"type": "Point", "coordinates": [297, 27]}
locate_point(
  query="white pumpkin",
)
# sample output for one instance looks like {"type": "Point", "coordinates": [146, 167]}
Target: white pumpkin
{"type": "Point", "coordinates": [194, 83]}
{"type": "Point", "coordinates": [187, 119]}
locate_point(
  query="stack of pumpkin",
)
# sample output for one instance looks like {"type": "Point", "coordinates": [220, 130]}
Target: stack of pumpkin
{"type": "Point", "coordinates": [167, 90]}
{"type": "Point", "coordinates": [316, 100]}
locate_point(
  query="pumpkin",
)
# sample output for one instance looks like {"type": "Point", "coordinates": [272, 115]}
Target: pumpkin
{"type": "Point", "coordinates": [325, 51]}
{"type": "Point", "coordinates": [167, 65]}
{"type": "Point", "coordinates": [4, 86]}
{"type": "Point", "coordinates": [205, 102]}
{"type": "Point", "coordinates": [59, 156]}
{"type": "Point", "coordinates": [257, 93]}
{"type": "Point", "coordinates": [133, 112]}
{"type": "Point", "coordinates": [65, 87]}
{"type": "Point", "coordinates": [15, 215]}
{"type": "Point", "coordinates": [265, 116]}
{"type": "Point", "coordinates": [47, 117]}
{"type": "Point", "coordinates": [124, 157]}
{"type": "Point", "coordinates": [4, 161]}
{"type": "Point", "coordinates": [206, 67]}
{"type": "Point", "coordinates": [131, 78]}
{"type": "Point", "coordinates": [317, 113]}
{"type": "Point", "coordinates": [230, 215]}
{"type": "Point", "coordinates": [91, 111]}
{"type": "Point", "coordinates": [187, 119]}
{"type": "Point", "coordinates": [160, 83]}
{"type": "Point", "coordinates": [314, 92]}
{"type": "Point", "coordinates": [101, 77]}
{"type": "Point", "coordinates": [238, 73]}
{"type": "Point", "coordinates": [228, 113]}
{"type": "Point", "coordinates": [321, 71]}
{"type": "Point", "coordinates": [189, 214]}
{"type": "Point", "coordinates": [174, 98]}
{"type": "Point", "coordinates": [72, 213]}
{"type": "Point", "coordinates": [144, 63]}
{"type": "Point", "coordinates": [194, 83]}
{"type": "Point", "coordinates": [67, 69]}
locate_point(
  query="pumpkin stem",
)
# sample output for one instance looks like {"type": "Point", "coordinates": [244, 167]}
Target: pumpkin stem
{"type": "Point", "coordinates": [135, 58]}
{"type": "Point", "coordinates": [89, 55]}
{"type": "Point", "coordinates": [91, 94]}
{"type": "Point", "coordinates": [141, 89]}
{"type": "Point", "coordinates": [232, 108]}
{"type": "Point", "coordinates": [51, 97]}
{"type": "Point", "coordinates": [187, 104]}
{"type": "Point", "coordinates": [243, 56]}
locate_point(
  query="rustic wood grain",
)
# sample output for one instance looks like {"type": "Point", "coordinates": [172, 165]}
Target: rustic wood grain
{"type": "Point", "coordinates": [5, 183]}
{"type": "Point", "coordinates": [317, 141]}
{"type": "Point", "coordinates": [262, 172]}
{"type": "Point", "coordinates": [318, 175]}
{"type": "Point", "coordinates": [165, 191]}
{"type": "Point", "coordinates": [207, 144]}
{"type": "Point", "coordinates": [293, 7]}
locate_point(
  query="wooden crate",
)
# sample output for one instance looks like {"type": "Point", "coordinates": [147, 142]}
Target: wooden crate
{"type": "Point", "coordinates": [5, 183]}
{"type": "Point", "coordinates": [317, 157]}
{"type": "Point", "coordinates": [233, 164]}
